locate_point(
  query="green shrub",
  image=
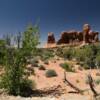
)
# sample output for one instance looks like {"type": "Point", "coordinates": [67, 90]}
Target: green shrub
{"type": "Point", "coordinates": [33, 62]}
{"type": "Point", "coordinates": [97, 60]}
{"type": "Point", "coordinates": [66, 67]}
{"type": "Point", "coordinates": [14, 80]}
{"type": "Point", "coordinates": [86, 67]}
{"type": "Point", "coordinates": [47, 54]}
{"type": "Point", "coordinates": [68, 53]}
{"type": "Point", "coordinates": [2, 51]}
{"type": "Point", "coordinates": [26, 87]}
{"type": "Point", "coordinates": [51, 73]}
{"type": "Point", "coordinates": [97, 81]}
{"type": "Point", "coordinates": [30, 70]}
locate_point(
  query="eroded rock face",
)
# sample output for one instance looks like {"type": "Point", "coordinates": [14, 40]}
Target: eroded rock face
{"type": "Point", "coordinates": [64, 38]}
{"type": "Point", "coordinates": [72, 37]}
{"type": "Point", "coordinates": [93, 36]}
{"type": "Point", "coordinates": [51, 38]}
{"type": "Point", "coordinates": [86, 28]}
{"type": "Point", "coordinates": [86, 36]}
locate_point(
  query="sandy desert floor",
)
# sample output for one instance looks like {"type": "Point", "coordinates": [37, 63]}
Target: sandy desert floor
{"type": "Point", "coordinates": [78, 78]}
{"type": "Point", "coordinates": [55, 89]}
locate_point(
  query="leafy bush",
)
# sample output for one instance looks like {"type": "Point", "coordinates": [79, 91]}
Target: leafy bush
{"type": "Point", "coordinates": [51, 73]}
{"type": "Point", "coordinates": [97, 60]}
{"type": "Point", "coordinates": [97, 81]}
{"type": "Point", "coordinates": [26, 87]}
{"type": "Point", "coordinates": [2, 51]}
{"type": "Point", "coordinates": [30, 70]}
{"type": "Point", "coordinates": [46, 55]}
{"type": "Point", "coordinates": [59, 52]}
{"type": "Point", "coordinates": [15, 59]}
{"type": "Point", "coordinates": [68, 53]}
{"type": "Point", "coordinates": [66, 67]}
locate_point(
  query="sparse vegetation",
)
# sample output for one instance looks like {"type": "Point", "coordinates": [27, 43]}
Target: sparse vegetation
{"type": "Point", "coordinates": [88, 55]}
{"type": "Point", "coordinates": [66, 67]}
{"type": "Point", "coordinates": [51, 73]}
{"type": "Point", "coordinates": [68, 53]}
{"type": "Point", "coordinates": [97, 81]}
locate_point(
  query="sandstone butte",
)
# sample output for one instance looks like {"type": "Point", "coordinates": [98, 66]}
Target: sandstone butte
{"type": "Point", "coordinates": [86, 36]}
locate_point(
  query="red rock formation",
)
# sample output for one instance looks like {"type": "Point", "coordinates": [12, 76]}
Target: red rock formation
{"type": "Point", "coordinates": [51, 38]}
{"type": "Point", "coordinates": [79, 36]}
{"type": "Point", "coordinates": [89, 36]}
{"type": "Point", "coordinates": [93, 36]}
{"type": "Point", "coordinates": [86, 29]}
{"type": "Point", "coordinates": [86, 36]}
{"type": "Point", "coordinates": [67, 37]}
{"type": "Point", "coordinates": [64, 38]}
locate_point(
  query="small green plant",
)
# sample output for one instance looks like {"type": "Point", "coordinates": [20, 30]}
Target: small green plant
{"type": "Point", "coordinates": [97, 81]}
{"type": "Point", "coordinates": [47, 54]}
{"type": "Point", "coordinates": [85, 66]}
{"type": "Point", "coordinates": [26, 87]}
{"type": "Point", "coordinates": [51, 73]}
{"type": "Point", "coordinates": [66, 67]}
{"type": "Point", "coordinates": [68, 53]}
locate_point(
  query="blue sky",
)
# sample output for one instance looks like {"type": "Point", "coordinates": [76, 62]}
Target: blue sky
{"type": "Point", "coordinates": [55, 15]}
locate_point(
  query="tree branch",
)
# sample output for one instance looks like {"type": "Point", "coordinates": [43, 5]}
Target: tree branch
{"type": "Point", "coordinates": [71, 85]}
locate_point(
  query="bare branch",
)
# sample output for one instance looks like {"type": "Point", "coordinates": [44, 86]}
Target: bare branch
{"type": "Point", "coordinates": [71, 85]}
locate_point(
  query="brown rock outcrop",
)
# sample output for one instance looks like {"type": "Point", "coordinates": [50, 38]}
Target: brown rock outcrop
{"type": "Point", "coordinates": [64, 38]}
{"type": "Point", "coordinates": [51, 38]}
{"type": "Point", "coordinates": [73, 37]}
{"type": "Point", "coordinates": [86, 36]}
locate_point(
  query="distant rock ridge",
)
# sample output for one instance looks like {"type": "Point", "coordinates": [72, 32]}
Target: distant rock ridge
{"type": "Point", "coordinates": [73, 37]}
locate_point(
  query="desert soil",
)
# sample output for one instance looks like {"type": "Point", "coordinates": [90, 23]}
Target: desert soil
{"type": "Point", "coordinates": [57, 89]}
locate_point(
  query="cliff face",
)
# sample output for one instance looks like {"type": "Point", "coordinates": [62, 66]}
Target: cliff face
{"type": "Point", "coordinates": [72, 37]}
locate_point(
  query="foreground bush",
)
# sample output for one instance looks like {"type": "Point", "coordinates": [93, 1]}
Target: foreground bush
{"type": "Point", "coordinates": [14, 80]}
{"type": "Point", "coordinates": [26, 87]}
{"type": "Point", "coordinates": [51, 73]}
